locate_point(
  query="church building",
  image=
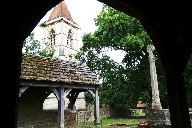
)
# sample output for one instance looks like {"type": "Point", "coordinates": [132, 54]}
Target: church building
{"type": "Point", "coordinates": [56, 83]}
{"type": "Point", "coordinates": [61, 32]}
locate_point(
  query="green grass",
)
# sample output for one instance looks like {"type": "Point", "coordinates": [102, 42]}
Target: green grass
{"type": "Point", "coordinates": [190, 114]}
{"type": "Point", "coordinates": [132, 120]}
{"type": "Point", "coordinates": [108, 121]}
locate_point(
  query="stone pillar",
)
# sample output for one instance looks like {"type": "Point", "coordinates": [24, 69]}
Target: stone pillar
{"type": "Point", "coordinates": [154, 84]}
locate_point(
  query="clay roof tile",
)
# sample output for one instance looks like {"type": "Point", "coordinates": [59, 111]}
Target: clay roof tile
{"type": "Point", "coordinates": [60, 10]}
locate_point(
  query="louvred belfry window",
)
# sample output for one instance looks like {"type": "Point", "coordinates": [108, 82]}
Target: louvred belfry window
{"type": "Point", "coordinates": [70, 38]}
{"type": "Point", "coordinates": [52, 37]}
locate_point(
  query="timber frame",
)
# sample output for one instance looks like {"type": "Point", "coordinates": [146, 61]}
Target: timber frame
{"type": "Point", "coordinates": [169, 24]}
{"type": "Point", "coordinates": [61, 86]}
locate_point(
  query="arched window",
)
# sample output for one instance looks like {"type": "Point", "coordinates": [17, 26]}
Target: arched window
{"type": "Point", "coordinates": [70, 38]}
{"type": "Point", "coordinates": [52, 37]}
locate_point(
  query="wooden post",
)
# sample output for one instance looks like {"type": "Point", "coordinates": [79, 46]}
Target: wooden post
{"type": "Point", "coordinates": [77, 118]}
{"type": "Point", "coordinates": [97, 118]}
{"type": "Point", "coordinates": [84, 117]}
{"type": "Point", "coordinates": [62, 107]}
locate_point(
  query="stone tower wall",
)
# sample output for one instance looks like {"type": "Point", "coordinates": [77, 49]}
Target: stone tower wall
{"type": "Point", "coordinates": [61, 29]}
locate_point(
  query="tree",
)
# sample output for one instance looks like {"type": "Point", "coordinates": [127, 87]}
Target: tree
{"type": "Point", "coordinates": [33, 46]}
{"type": "Point", "coordinates": [188, 82]}
{"type": "Point", "coordinates": [123, 84]}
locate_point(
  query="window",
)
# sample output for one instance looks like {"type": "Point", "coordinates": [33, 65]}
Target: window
{"type": "Point", "coordinates": [52, 37]}
{"type": "Point", "coordinates": [70, 38]}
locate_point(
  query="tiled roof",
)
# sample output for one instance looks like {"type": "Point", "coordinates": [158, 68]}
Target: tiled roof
{"type": "Point", "coordinates": [60, 10]}
{"type": "Point", "coordinates": [53, 69]}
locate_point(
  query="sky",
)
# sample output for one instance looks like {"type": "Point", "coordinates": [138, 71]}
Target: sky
{"type": "Point", "coordinates": [83, 13]}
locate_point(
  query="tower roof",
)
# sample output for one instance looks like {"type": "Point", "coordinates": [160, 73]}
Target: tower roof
{"type": "Point", "coordinates": [60, 10]}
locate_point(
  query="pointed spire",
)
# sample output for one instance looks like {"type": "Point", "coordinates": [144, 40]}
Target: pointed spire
{"type": "Point", "coordinates": [60, 10]}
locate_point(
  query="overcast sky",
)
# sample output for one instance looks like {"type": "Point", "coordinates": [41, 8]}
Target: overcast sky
{"type": "Point", "coordinates": [83, 13]}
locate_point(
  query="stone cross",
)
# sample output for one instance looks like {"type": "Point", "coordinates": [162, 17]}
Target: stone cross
{"type": "Point", "coordinates": [154, 84]}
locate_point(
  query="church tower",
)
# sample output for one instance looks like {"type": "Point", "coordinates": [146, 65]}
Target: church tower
{"type": "Point", "coordinates": [61, 32]}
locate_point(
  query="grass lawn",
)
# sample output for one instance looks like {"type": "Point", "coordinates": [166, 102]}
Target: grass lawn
{"type": "Point", "coordinates": [111, 121]}
{"type": "Point", "coordinates": [132, 120]}
{"type": "Point", "coordinates": [190, 114]}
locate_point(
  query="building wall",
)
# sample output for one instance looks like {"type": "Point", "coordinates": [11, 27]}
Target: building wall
{"type": "Point", "coordinates": [51, 103]}
{"type": "Point", "coordinates": [61, 29]}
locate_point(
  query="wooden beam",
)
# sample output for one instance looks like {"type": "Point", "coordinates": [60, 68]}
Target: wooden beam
{"type": "Point", "coordinates": [92, 93]}
{"type": "Point", "coordinates": [57, 84]}
{"type": "Point", "coordinates": [55, 92]}
{"type": "Point", "coordinates": [22, 89]}
{"type": "Point", "coordinates": [67, 92]}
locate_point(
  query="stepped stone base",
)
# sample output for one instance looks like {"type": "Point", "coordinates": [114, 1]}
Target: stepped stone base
{"type": "Point", "coordinates": [158, 117]}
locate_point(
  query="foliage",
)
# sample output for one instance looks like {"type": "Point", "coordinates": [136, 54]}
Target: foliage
{"type": "Point", "coordinates": [44, 24]}
{"type": "Point", "coordinates": [190, 114]}
{"type": "Point", "coordinates": [33, 46]}
{"type": "Point", "coordinates": [88, 99]}
{"type": "Point", "coordinates": [188, 82]}
{"type": "Point", "coordinates": [123, 84]}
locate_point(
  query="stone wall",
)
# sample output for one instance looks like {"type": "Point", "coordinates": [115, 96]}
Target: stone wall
{"type": "Point", "coordinates": [87, 115]}
{"type": "Point", "coordinates": [46, 119]}
{"type": "Point", "coordinates": [51, 102]}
